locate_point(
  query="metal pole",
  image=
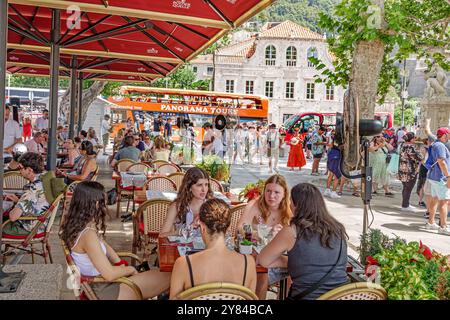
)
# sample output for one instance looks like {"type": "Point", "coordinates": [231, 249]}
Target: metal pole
{"type": "Point", "coordinates": [403, 92]}
{"type": "Point", "coordinates": [54, 79]}
{"type": "Point", "coordinates": [9, 282]}
{"type": "Point", "coordinates": [80, 101]}
{"type": "Point", "coordinates": [73, 96]}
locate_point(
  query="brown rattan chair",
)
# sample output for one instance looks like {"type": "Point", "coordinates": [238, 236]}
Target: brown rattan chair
{"type": "Point", "coordinates": [177, 177]}
{"type": "Point", "coordinates": [26, 243]}
{"type": "Point", "coordinates": [168, 168]}
{"type": "Point", "coordinates": [236, 214]}
{"type": "Point", "coordinates": [95, 175]}
{"type": "Point", "coordinates": [81, 284]}
{"type": "Point", "coordinates": [163, 184]}
{"type": "Point", "coordinates": [147, 224]}
{"type": "Point", "coordinates": [13, 180]}
{"type": "Point", "coordinates": [157, 163]}
{"type": "Point", "coordinates": [356, 291]}
{"type": "Point", "coordinates": [122, 165]}
{"type": "Point", "coordinates": [140, 167]}
{"type": "Point", "coordinates": [216, 186]}
{"type": "Point", "coordinates": [217, 291]}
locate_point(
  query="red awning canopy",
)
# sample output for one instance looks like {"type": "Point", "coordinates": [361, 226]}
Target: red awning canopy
{"type": "Point", "coordinates": [157, 35]}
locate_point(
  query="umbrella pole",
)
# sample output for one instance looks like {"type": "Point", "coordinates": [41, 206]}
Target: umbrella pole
{"type": "Point", "coordinates": [9, 282]}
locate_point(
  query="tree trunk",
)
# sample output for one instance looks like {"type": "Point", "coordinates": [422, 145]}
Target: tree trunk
{"type": "Point", "coordinates": [366, 65]}
{"type": "Point", "coordinates": [89, 96]}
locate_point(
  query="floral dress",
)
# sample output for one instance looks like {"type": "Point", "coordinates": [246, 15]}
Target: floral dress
{"type": "Point", "coordinates": [409, 163]}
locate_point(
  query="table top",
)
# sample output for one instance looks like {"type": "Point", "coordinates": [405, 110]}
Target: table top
{"type": "Point", "coordinates": [168, 253]}
{"type": "Point", "coordinates": [140, 196]}
{"type": "Point", "coordinates": [116, 175]}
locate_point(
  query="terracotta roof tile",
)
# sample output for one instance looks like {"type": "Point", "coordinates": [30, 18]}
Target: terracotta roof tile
{"type": "Point", "coordinates": [203, 59]}
{"type": "Point", "coordinates": [289, 29]}
{"type": "Point", "coordinates": [243, 49]}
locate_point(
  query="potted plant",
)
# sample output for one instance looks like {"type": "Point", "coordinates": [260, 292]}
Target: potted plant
{"type": "Point", "coordinates": [215, 167]}
{"type": "Point", "coordinates": [246, 247]}
{"type": "Point", "coordinates": [252, 191]}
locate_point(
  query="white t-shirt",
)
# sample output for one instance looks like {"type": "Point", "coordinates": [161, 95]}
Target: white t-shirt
{"type": "Point", "coordinates": [12, 132]}
{"type": "Point", "coordinates": [33, 146]}
{"type": "Point", "coordinates": [105, 127]}
{"type": "Point", "coordinates": [41, 123]}
{"type": "Point", "coordinates": [147, 125]}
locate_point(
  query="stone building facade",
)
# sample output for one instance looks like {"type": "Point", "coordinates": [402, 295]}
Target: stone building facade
{"type": "Point", "coordinates": [274, 63]}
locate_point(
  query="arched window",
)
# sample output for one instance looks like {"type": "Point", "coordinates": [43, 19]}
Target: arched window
{"type": "Point", "coordinates": [312, 52]}
{"type": "Point", "coordinates": [291, 56]}
{"type": "Point", "coordinates": [271, 55]}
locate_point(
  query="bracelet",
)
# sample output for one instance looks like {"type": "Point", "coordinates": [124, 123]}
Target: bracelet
{"type": "Point", "coordinates": [121, 262]}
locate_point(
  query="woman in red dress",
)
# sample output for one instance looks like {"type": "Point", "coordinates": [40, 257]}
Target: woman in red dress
{"type": "Point", "coordinates": [26, 129]}
{"type": "Point", "coordinates": [296, 155]}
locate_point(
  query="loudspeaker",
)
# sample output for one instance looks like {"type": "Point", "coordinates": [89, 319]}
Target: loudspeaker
{"type": "Point", "coordinates": [15, 103]}
{"type": "Point", "coordinates": [220, 122]}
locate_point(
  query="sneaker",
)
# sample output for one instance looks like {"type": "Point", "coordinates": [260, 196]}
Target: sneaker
{"type": "Point", "coordinates": [426, 215]}
{"type": "Point", "coordinates": [327, 193]}
{"type": "Point", "coordinates": [334, 195]}
{"type": "Point", "coordinates": [410, 209]}
{"type": "Point", "coordinates": [422, 204]}
{"type": "Point", "coordinates": [433, 226]}
{"type": "Point", "coordinates": [445, 231]}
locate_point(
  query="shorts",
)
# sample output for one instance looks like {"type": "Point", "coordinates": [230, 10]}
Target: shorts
{"type": "Point", "coordinates": [277, 274]}
{"type": "Point", "coordinates": [318, 156]}
{"type": "Point", "coordinates": [106, 291]}
{"type": "Point", "coordinates": [439, 190]}
{"type": "Point", "coordinates": [427, 188]}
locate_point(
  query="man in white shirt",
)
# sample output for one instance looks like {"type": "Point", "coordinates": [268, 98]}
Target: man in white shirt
{"type": "Point", "coordinates": [13, 134]}
{"type": "Point", "coordinates": [105, 129]}
{"type": "Point", "coordinates": [35, 144]}
{"type": "Point", "coordinates": [42, 122]}
{"type": "Point", "coordinates": [147, 126]}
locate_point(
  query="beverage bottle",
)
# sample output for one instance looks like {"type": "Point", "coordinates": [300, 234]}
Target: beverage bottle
{"type": "Point", "coordinates": [248, 232]}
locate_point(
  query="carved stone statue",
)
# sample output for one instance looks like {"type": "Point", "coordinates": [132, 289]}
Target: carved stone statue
{"type": "Point", "coordinates": [436, 81]}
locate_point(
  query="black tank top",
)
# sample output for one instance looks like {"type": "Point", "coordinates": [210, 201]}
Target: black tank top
{"type": "Point", "coordinates": [191, 275]}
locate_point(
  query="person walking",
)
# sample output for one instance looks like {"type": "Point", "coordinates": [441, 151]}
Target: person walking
{"type": "Point", "coordinates": [296, 156]}
{"type": "Point", "coordinates": [439, 180]}
{"type": "Point", "coordinates": [273, 147]}
{"type": "Point", "coordinates": [239, 144]}
{"type": "Point", "coordinates": [41, 122]}
{"type": "Point", "coordinates": [378, 153]}
{"type": "Point", "coordinates": [333, 168]}
{"type": "Point", "coordinates": [318, 148]}
{"type": "Point", "coordinates": [409, 163]}
{"type": "Point", "coordinates": [27, 128]}
{"type": "Point", "coordinates": [105, 130]}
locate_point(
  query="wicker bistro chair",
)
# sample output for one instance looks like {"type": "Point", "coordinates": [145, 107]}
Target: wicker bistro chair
{"type": "Point", "coordinates": [356, 291]}
{"type": "Point", "coordinates": [162, 184]}
{"type": "Point", "coordinates": [81, 284]}
{"type": "Point", "coordinates": [13, 180]}
{"type": "Point", "coordinates": [140, 167]}
{"type": "Point", "coordinates": [95, 175]}
{"type": "Point", "coordinates": [216, 186]}
{"type": "Point", "coordinates": [157, 163]}
{"type": "Point", "coordinates": [27, 243]}
{"type": "Point", "coordinates": [217, 291]}
{"type": "Point", "coordinates": [177, 177]}
{"type": "Point", "coordinates": [236, 214]}
{"type": "Point", "coordinates": [122, 165]}
{"type": "Point", "coordinates": [168, 168]}
{"type": "Point", "coordinates": [147, 223]}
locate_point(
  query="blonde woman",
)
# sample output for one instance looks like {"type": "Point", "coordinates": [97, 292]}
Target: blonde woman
{"type": "Point", "coordinates": [273, 210]}
{"type": "Point", "coordinates": [160, 152]}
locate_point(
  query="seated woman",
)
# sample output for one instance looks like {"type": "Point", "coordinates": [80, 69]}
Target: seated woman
{"type": "Point", "coordinates": [273, 212]}
{"type": "Point", "coordinates": [85, 168]}
{"type": "Point", "coordinates": [73, 153]}
{"type": "Point", "coordinates": [215, 262]}
{"type": "Point", "coordinates": [194, 191]}
{"type": "Point", "coordinates": [315, 243]}
{"type": "Point", "coordinates": [160, 152]}
{"type": "Point", "coordinates": [18, 150]}
{"type": "Point", "coordinates": [83, 230]}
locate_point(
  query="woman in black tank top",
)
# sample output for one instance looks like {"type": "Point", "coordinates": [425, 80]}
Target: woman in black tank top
{"type": "Point", "coordinates": [216, 263]}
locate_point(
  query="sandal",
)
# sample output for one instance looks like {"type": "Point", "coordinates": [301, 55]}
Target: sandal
{"type": "Point", "coordinates": [388, 194]}
{"type": "Point", "coordinates": [340, 193]}
{"type": "Point", "coordinates": [356, 194]}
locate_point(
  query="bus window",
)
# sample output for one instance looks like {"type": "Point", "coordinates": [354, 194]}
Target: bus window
{"type": "Point", "coordinates": [119, 116]}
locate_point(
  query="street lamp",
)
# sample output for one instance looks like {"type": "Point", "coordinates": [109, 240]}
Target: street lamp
{"type": "Point", "coordinates": [404, 93]}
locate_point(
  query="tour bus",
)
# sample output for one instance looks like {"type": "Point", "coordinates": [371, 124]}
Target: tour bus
{"type": "Point", "coordinates": [199, 107]}
{"type": "Point", "coordinates": [307, 119]}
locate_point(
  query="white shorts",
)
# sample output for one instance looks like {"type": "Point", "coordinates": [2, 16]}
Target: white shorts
{"type": "Point", "coordinates": [439, 190]}
{"type": "Point", "coordinates": [427, 188]}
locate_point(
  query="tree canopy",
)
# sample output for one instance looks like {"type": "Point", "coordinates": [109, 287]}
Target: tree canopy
{"type": "Point", "coordinates": [404, 27]}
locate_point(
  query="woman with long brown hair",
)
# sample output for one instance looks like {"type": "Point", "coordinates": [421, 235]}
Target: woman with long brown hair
{"type": "Point", "coordinates": [315, 243]}
{"type": "Point", "coordinates": [273, 212]}
{"type": "Point", "coordinates": [83, 231]}
{"type": "Point", "coordinates": [194, 191]}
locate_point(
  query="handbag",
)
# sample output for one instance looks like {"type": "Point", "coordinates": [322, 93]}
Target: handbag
{"type": "Point", "coordinates": [111, 197]}
{"type": "Point", "coordinates": [388, 156]}
{"type": "Point", "coordinates": [314, 287]}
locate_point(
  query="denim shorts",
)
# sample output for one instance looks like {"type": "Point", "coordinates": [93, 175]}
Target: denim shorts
{"type": "Point", "coordinates": [277, 274]}
{"type": "Point", "coordinates": [439, 190]}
